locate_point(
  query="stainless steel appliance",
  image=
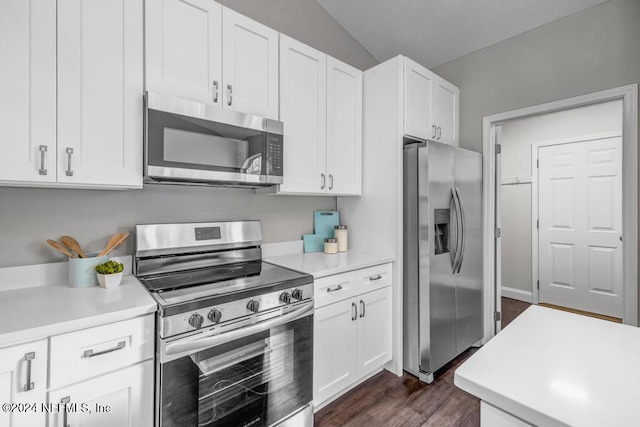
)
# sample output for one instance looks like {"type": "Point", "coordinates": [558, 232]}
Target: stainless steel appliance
{"type": "Point", "coordinates": [187, 142]}
{"type": "Point", "coordinates": [442, 255]}
{"type": "Point", "coordinates": [234, 333]}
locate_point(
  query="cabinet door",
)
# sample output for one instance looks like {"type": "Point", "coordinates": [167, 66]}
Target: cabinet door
{"type": "Point", "coordinates": [334, 349]}
{"type": "Point", "coordinates": [419, 88]}
{"type": "Point", "coordinates": [123, 398]}
{"type": "Point", "coordinates": [303, 109]}
{"type": "Point", "coordinates": [374, 330]}
{"type": "Point", "coordinates": [23, 366]}
{"type": "Point", "coordinates": [448, 107]}
{"type": "Point", "coordinates": [184, 49]}
{"type": "Point", "coordinates": [100, 92]}
{"type": "Point", "coordinates": [344, 128]}
{"type": "Point", "coordinates": [249, 65]}
{"type": "Point", "coordinates": [28, 90]}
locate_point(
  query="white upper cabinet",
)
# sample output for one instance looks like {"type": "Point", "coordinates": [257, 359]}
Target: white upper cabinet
{"type": "Point", "coordinates": [184, 49]}
{"type": "Point", "coordinates": [303, 109]}
{"type": "Point", "coordinates": [431, 105]}
{"type": "Point", "coordinates": [205, 52]}
{"type": "Point", "coordinates": [249, 65]}
{"type": "Point", "coordinates": [71, 93]}
{"type": "Point", "coordinates": [321, 108]}
{"type": "Point", "coordinates": [28, 90]}
{"type": "Point", "coordinates": [344, 128]}
{"type": "Point", "coordinates": [100, 83]}
{"type": "Point", "coordinates": [418, 100]}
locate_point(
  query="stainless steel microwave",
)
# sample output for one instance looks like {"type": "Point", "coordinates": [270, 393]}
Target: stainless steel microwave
{"type": "Point", "coordinates": [188, 142]}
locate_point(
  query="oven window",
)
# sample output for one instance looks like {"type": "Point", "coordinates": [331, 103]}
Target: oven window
{"type": "Point", "coordinates": [253, 381]}
{"type": "Point", "coordinates": [185, 142]}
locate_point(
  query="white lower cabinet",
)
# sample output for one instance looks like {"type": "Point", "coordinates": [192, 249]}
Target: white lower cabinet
{"type": "Point", "coordinates": [122, 398]}
{"type": "Point", "coordinates": [23, 381]}
{"type": "Point", "coordinates": [352, 336]}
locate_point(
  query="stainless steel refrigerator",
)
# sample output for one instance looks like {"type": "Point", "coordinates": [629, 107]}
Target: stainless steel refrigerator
{"type": "Point", "coordinates": [442, 255]}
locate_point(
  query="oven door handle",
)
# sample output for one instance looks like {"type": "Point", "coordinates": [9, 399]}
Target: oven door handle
{"type": "Point", "coordinates": [219, 338]}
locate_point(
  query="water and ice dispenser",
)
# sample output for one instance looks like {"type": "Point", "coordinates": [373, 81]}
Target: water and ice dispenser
{"type": "Point", "coordinates": [441, 219]}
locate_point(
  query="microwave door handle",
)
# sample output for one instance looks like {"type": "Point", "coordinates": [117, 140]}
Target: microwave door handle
{"type": "Point", "coordinates": [193, 346]}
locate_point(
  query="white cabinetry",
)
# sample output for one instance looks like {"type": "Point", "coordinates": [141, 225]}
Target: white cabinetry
{"type": "Point", "coordinates": [98, 90]}
{"type": "Point", "coordinates": [202, 51]}
{"type": "Point", "coordinates": [23, 380]}
{"type": "Point", "coordinates": [352, 329]}
{"type": "Point", "coordinates": [184, 49]}
{"type": "Point", "coordinates": [431, 105]}
{"type": "Point", "coordinates": [321, 107]}
{"type": "Point", "coordinates": [105, 366]}
{"type": "Point", "coordinates": [28, 91]}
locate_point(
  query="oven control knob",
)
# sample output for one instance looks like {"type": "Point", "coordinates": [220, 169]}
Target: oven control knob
{"type": "Point", "coordinates": [196, 320]}
{"type": "Point", "coordinates": [297, 294]}
{"type": "Point", "coordinates": [215, 315]}
{"type": "Point", "coordinates": [285, 297]}
{"type": "Point", "coordinates": [253, 305]}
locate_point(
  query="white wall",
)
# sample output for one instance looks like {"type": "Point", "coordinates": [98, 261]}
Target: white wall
{"type": "Point", "coordinates": [516, 139]}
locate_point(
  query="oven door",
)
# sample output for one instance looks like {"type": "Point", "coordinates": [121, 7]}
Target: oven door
{"type": "Point", "coordinates": [258, 377]}
{"type": "Point", "coordinates": [193, 142]}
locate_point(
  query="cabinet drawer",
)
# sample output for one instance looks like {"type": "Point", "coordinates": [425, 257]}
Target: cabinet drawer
{"type": "Point", "coordinates": [328, 290]}
{"type": "Point", "coordinates": [90, 352]}
{"type": "Point", "coordinates": [372, 278]}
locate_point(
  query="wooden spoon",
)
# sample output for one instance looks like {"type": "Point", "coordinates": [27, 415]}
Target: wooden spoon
{"type": "Point", "coordinates": [73, 245]}
{"type": "Point", "coordinates": [115, 241]}
{"type": "Point", "coordinates": [57, 246]}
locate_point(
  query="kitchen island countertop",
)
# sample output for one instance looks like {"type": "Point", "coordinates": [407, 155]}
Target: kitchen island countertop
{"type": "Point", "coordinates": [553, 368]}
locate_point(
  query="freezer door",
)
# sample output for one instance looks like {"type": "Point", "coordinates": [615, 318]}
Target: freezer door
{"type": "Point", "coordinates": [469, 301]}
{"type": "Point", "coordinates": [437, 230]}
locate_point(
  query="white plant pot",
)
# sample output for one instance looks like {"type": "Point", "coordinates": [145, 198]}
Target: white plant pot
{"type": "Point", "coordinates": [109, 280]}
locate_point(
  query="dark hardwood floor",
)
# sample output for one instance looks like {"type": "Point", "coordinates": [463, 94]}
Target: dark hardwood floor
{"type": "Point", "coordinates": [388, 400]}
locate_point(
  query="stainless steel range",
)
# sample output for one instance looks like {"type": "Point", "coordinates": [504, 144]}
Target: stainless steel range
{"type": "Point", "coordinates": [235, 334]}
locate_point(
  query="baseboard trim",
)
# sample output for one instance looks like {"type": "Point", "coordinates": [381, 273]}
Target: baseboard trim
{"type": "Point", "coordinates": [517, 294]}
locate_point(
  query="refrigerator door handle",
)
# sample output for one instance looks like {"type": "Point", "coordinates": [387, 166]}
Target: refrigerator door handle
{"type": "Point", "coordinates": [455, 252]}
{"type": "Point", "coordinates": [463, 225]}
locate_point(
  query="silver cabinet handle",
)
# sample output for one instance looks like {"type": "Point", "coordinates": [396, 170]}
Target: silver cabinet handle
{"type": "Point", "coordinates": [43, 150]}
{"type": "Point", "coordinates": [355, 311]}
{"type": "Point", "coordinates": [215, 91]}
{"type": "Point", "coordinates": [439, 133]}
{"type": "Point", "coordinates": [330, 182]}
{"type": "Point", "coordinates": [435, 131]}
{"type": "Point", "coordinates": [376, 277]}
{"type": "Point", "coordinates": [323, 182]}
{"type": "Point", "coordinates": [229, 95]}
{"type": "Point", "coordinates": [334, 288]}
{"type": "Point", "coordinates": [69, 171]}
{"type": "Point", "coordinates": [119, 346]}
{"type": "Point", "coordinates": [64, 401]}
{"type": "Point", "coordinates": [28, 357]}
{"type": "Point", "coordinates": [363, 307]}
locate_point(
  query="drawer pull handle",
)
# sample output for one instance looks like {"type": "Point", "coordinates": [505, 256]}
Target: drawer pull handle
{"type": "Point", "coordinates": [376, 277]}
{"type": "Point", "coordinates": [334, 288]}
{"type": "Point", "coordinates": [28, 357]}
{"type": "Point", "coordinates": [90, 353]}
{"type": "Point", "coordinates": [64, 401]}
{"type": "Point", "coordinates": [362, 306]}
{"type": "Point", "coordinates": [43, 150]}
{"type": "Point", "coordinates": [69, 171]}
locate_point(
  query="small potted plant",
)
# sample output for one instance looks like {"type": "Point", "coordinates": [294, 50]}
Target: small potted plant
{"type": "Point", "coordinates": [109, 274]}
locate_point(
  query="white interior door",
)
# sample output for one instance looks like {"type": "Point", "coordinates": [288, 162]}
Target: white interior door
{"type": "Point", "coordinates": [580, 212]}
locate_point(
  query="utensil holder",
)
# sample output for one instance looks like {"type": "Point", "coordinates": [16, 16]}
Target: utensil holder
{"type": "Point", "coordinates": [82, 273]}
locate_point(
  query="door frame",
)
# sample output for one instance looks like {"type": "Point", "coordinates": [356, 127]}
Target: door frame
{"type": "Point", "coordinates": [534, 198]}
{"type": "Point", "coordinates": [629, 97]}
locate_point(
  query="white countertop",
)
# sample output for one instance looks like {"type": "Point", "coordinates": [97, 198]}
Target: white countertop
{"type": "Point", "coordinates": [319, 264]}
{"type": "Point", "coordinates": [37, 312]}
{"type": "Point", "coordinates": [552, 368]}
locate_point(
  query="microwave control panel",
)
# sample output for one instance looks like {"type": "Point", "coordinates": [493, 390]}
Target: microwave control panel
{"type": "Point", "coordinates": [274, 154]}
